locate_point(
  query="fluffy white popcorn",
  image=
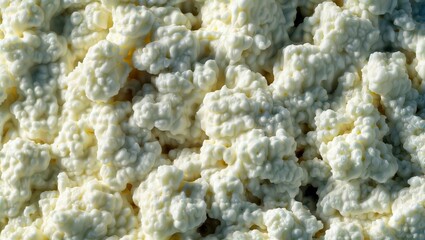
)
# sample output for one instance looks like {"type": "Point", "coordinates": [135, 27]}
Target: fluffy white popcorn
{"type": "Point", "coordinates": [171, 16]}
{"type": "Point", "coordinates": [25, 226]}
{"type": "Point", "coordinates": [379, 7]}
{"type": "Point", "coordinates": [226, 113]}
{"type": "Point", "coordinates": [52, 47]}
{"type": "Point", "coordinates": [89, 211]}
{"type": "Point", "coordinates": [86, 27]}
{"type": "Point", "coordinates": [335, 33]}
{"type": "Point", "coordinates": [303, 67]}
{"type": "Point", "coordinates": [229, 203]}
{"type": "Point", "coordinates": [218, 119]}
{"type": "Point", "coordinates": [168, 104]}
{"type": "Point", "coordinates": [18, 52]}
{"type": "Point", "coordinates": [76, 104]}
{"type": "Point", "coordinates": [386, 74]}
{"type": "Point", "coordinates": [21, 16]}
{"type": "Point", "coordinates": [399, 102]}
{"type": "Point", "coordinates": [75, 147]}
{"type": "Point", "coordinates": [17, 180]}
{"type": "Point", "coordinates": [105, 71]}
{"type": "Point", "coordinates": [173, 48]}
{"type": "Point", "coordinates": [187, 160]}
{"type": "Point", "coordinates": [242, 104]}
{"type": "Point", "coordinates": [244, 34]}
{"type": "Point", "coordinates": [127, 153]}
{"type": "Point", "coordinates": [37, 112]}
{"type": "Point", "coordinates": [170, 204]}
{"type": "Point", "coordinates": [36, 85]}
{"type": "Point", "coordinates": [406, 220]}
{"type": "Point", "coordinates": [266, 164]}
{"type": "Point", "coordinates": [409, 211]}
{"type": "Point", "coordinates": [334, 29]}
{"type": "Point", "coordinates": [344, 230]}
{"type": "Point", "coordinates": [355, 198]}
{"type": "Point", "coordinates": [131, 24]}
{"type": "Point", "coordinates": [260, 157]}
{"type": "Point", "coordinates": [317, 171]}
{"type": "Point", "coordinates": [406, 23]}
{"type": "Point", "coordinates": [352, 142]}
{"type": "Point", "coordinates": [284, 224]}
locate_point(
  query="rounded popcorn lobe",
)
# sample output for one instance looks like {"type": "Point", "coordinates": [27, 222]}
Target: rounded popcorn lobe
{"type": "Point", "coordinates": [20, 16]}
{"type": "Point", "coordinates": [344, 230]}
{"type": "Point", "coordinates": [338, 30]}
{"type": "Point", "coordinates": [355, 148]}
{"type": "Point", "coordinates": [173, 48]}
{"type": "Point", "coordinates": [295, 224]}
{"type": "Point", "coordinates": [126, 153]}
{"type": "Point", "coordinates": [243, 34]}
{"type": "Point", "coordinates": [88, 211]}
{"type": "Point", "coordinates": [130, 24]}
{"type": "Point", "coordinates": [302, 67]}
{"type": "Point", "coordinates": [18, 181]}
{"type": "Point", "coordinates": [218, 119]}
{"type": "Point", "coordinates": [170, 102]}
{"type": "Point", "coordinates": [37, 111]}
{"type": "Point", "coordinates": [170, 204]}
{"type": "Point", "coordinates": [386, 74]}
{"type": "Point", "coordinates": [85, 27]}
{"type": "Point", "coordinates": [106, 71]}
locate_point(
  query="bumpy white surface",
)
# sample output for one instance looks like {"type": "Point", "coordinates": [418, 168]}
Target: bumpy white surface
{"type": "Point", "coordinates": [212, 119]}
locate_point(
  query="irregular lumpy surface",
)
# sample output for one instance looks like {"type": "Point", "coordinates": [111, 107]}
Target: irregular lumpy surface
{"type": "Point", "coordinates": [212, 119]}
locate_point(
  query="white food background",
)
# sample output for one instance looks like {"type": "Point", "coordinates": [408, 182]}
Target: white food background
{"type": "Point", "coordinates": [212, 119]}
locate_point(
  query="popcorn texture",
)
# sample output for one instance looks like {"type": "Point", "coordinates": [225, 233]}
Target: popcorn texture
{"type": "Point", "coordinates": [212, 119]}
